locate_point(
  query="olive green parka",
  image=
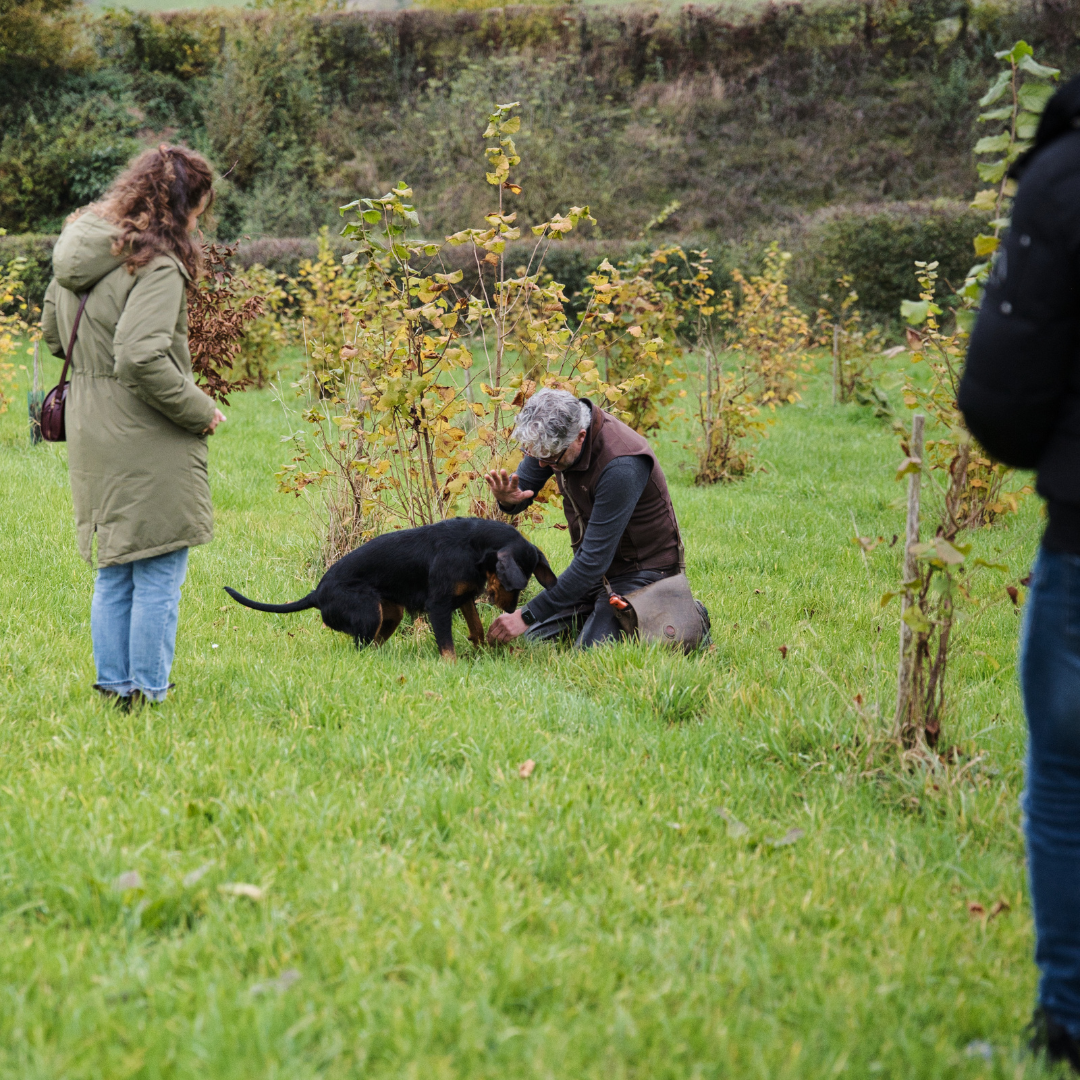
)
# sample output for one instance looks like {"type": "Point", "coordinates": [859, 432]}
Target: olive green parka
{"type": "Point", "coordinates": [136, 456]}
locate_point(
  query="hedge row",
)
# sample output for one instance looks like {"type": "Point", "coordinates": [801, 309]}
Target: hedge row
{"type": "Point", "coordinates": [876, 244]}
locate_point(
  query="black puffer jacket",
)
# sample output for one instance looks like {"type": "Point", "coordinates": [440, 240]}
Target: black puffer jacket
{"type": "Point", "coordinates": [1020, 393]}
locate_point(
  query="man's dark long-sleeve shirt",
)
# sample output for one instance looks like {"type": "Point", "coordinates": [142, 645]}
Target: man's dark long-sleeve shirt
{"type": "Point", "coordinates": [617, 493]}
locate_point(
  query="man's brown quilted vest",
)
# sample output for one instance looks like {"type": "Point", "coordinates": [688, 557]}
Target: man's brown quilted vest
{"type": "Point", "coordinates": [650, 541]}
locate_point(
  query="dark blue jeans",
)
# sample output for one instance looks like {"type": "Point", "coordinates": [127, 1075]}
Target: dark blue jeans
{"type": "Point", "coordinates": [1050, 677]}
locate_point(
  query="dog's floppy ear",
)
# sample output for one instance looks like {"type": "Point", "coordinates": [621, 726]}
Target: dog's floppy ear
{"type": "Point", "coordinates": [510, 575]}
{"type": "Point", "coordinates": [543, 572]}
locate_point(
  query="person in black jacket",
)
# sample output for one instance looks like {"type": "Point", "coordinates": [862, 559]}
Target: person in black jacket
{"type": "Point", "coordinates": [1020, 396]}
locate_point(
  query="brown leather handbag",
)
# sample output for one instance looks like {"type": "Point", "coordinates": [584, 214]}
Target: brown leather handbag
{"type": "Point", "coordinates": [52, 408]}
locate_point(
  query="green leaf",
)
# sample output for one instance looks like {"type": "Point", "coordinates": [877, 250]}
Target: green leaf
{"type": "Point", "coordinates": [991, 565]}
{"type": "Point", "coordinates": [1016, 54]}
{"type": "Point", "coordinates": [908, 465]}
{"type": "Point", "coordinates": [986, 245]}
{"type": "Point", "coordinates": [509, 127]}
{"type": "Point", "coordinates": [372, 217]}
{"type": "Point", "coordinates": [886, 597]}
{"type": "Point", "coordinates": [1038, 70]}
{"type": "Point", "coordinates": [993, 144]}
{"type": "Point", "coordinates": [917, 620]}
{"type": "Point", "coordinates": [1027, 123]}
{"type": "Point", "coordinates": [431, 249]}
{"type": "Point", "coordinates": [965, 319]}
{"type": "Point", "coordinates": [916, 311]}
{"type": "Point", "coordinates": [985, 200]}
{"type": "Point", "coordinates": [949, 554]}
{"type": "Point", "coordinates": [991, 172]}
{"type": "Point", "coordinates": [1034, 96]}
{"type": "Point", "coordinates": [996, 90]}
{"type": "Point", "coordinates": [1004, 113]}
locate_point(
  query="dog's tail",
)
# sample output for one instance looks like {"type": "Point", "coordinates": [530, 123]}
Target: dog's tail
{"type": "Point", "coordinates": [297, 605]}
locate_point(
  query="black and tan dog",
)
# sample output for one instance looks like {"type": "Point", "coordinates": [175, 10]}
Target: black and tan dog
{"type": "Point", "coordinates": [435, 569]}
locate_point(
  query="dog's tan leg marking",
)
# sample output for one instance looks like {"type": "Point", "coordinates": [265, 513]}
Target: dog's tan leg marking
{"type": "Point", "coordinates": [391, 616]}
{"type": "Point", "coordinates": [472, 621]}
{"type": "Point", "coordinates": [448, 654]}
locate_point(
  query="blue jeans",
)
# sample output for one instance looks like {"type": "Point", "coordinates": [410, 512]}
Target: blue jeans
{"type": "Point", "coordinates": [1050, 677]}
{"type": "Point", "coordinates": [133, 621]}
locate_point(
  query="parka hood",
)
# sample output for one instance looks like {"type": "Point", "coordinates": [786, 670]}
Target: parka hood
{"type": "Point", "coordinates": [83, 253]}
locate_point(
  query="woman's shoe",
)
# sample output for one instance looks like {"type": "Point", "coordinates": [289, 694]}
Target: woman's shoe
{"type": "Point", "coordinates": [119, 700]}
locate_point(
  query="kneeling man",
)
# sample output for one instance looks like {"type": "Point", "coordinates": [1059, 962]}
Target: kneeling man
{"type": "Point", "coordinates": [622, 524]}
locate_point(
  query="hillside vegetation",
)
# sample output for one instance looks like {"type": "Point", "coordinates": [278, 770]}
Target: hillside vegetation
{"type": "Point", "coordinates": [747, 120]}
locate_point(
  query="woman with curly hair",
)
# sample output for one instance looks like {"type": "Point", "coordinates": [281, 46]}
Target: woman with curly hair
{"type": "Point", "coordinates": [136, 422]}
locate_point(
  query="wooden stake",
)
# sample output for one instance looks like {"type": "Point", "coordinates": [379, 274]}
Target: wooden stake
{"type": "Point", "coordinates": [835, 363]}
{"type": "Point", "coordinates": [911, 538]}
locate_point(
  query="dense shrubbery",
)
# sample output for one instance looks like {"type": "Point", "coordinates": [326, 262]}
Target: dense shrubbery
{"type": "Point", "coordinates": [877, 245]}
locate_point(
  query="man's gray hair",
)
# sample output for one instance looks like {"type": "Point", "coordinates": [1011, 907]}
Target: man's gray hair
{"type": "Point", "coordinates": [550, 421]}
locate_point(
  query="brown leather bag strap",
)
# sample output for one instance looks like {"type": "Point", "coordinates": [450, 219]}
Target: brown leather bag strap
{"type": "Point", "coordinates": [71, 343]}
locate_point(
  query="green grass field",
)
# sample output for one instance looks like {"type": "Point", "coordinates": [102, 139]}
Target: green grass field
{"type": "Point", "coordinates": [427, 913]}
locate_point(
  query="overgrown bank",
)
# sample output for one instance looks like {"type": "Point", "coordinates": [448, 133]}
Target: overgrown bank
{"type": "Point", "coordinates": [747, 124]}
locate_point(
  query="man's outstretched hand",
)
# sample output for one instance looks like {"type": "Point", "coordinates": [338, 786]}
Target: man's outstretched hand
{"type": "Point", "coordinates": [507, 627]}
{"type": "Point", "coordinates": [504, 486]}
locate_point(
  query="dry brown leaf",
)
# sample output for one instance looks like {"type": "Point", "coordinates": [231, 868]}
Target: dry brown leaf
{"type": "Point", "coordinates": [975, 909]}
{"type": "Point", "coordinates": [280, 984]}
{"type": "Point", "coordinates": [790, 837]}
{"type": "Point", "coordinates": [241, 888]}
{"type": "Point", "coordinates": [196, 875]}
{"type": "Point", "coordinates": [1000, 906]}
{"type": "Point", "coordinates": [525, 769]}
{"type": "Point", "coordinates": [735, 828]}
